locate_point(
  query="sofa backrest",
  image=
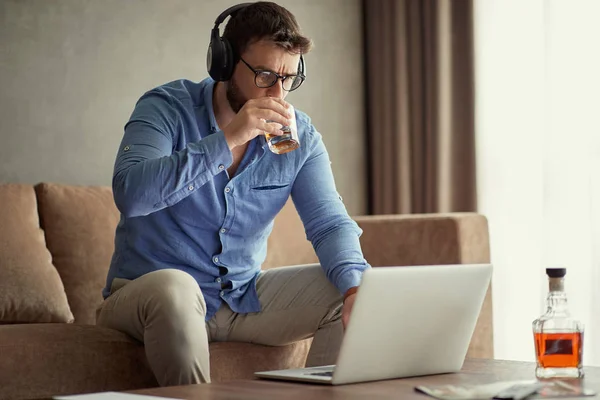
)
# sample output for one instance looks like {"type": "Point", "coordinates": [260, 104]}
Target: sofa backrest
{"type": "Point", "coordinates": [287, 243]}
{"type": "Point", "coordinates": [79, 223]}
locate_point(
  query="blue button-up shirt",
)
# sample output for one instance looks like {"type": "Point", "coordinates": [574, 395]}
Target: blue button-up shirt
{"type": "Point", "coordinates": [180, 208]}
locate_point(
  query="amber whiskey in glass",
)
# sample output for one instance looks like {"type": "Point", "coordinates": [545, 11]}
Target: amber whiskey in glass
{"type": "Point", "coordinates": [558, 337]}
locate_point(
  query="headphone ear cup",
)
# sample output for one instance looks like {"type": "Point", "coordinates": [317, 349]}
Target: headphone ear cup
{"type": "Point", "coordinates": [214, 56]}
{"type": "Point", "coordinates": [219, 59]}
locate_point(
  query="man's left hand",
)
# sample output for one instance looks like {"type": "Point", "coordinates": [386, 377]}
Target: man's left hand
{"type": "Point", "coordinates": [347, 309]}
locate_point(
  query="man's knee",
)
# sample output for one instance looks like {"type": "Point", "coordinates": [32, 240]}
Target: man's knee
{"type": "Point", "coordinates": [175, 293]}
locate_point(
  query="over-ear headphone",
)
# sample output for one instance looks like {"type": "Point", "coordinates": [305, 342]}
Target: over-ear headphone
{"type": "Point", "coordinates": [221, 57]}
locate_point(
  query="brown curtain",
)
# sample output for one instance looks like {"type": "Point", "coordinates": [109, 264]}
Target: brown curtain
{"type": "Point", "coordinates": [420, 111]}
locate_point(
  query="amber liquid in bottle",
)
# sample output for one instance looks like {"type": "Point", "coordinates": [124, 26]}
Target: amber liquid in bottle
{"type": "Point", "coordinates": [559, 350]}
{"type": "Point", "coordinates": [558, 337]}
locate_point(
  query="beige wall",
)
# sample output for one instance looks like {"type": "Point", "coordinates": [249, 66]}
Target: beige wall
{"type": "Point", "coordinates": [71, 71]}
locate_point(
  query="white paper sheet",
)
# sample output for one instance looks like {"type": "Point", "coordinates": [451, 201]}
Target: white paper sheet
{"type": "Point", "coordinates": [110, 396]}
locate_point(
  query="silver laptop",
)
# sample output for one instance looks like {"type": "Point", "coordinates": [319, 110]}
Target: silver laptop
{"type": "Point", "coordinates": [406, 321]}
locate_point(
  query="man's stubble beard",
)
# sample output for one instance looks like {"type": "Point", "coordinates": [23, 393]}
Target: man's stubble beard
{"type": "Point", "coordinates": [234, 96]}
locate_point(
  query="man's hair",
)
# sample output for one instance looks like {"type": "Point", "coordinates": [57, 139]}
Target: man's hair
{"type": "Point", "coordinates": [266, 20]}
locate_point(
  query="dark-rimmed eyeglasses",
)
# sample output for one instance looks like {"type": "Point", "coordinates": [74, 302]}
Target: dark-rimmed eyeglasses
{"type": "Point", "coordinates": [266, 79]}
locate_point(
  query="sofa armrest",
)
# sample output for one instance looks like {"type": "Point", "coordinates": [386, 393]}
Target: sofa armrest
{"type": "Point", "coordinates": [424, 239]}
{"type": "Point", "coordinates": [430, 239]}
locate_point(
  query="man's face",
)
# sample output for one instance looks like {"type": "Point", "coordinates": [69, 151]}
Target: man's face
{"type": "Point", "coordinates": [261, 55]}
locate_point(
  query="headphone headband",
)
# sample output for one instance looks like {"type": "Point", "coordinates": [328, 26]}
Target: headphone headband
{"type": "Point", "coordinates": [230, 11]}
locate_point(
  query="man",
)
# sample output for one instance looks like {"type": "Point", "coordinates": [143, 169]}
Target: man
{"type": "Point", "coordinates": [198, 190]}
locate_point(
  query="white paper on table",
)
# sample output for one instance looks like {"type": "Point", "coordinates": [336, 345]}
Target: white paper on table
{"type": "Point", "coordinates": [468, 391]}
{"type": "Point", "coordinates": [110, 396]}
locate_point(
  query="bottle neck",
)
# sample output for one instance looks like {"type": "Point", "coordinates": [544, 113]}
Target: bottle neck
{"type": "Point", "coordinates": [556, 284]}
{"type": "Point", "coordinates": [557, 298]}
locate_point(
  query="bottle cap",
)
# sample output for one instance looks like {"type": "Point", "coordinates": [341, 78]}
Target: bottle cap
{"type": "Point", "coordinates": [556, 272]}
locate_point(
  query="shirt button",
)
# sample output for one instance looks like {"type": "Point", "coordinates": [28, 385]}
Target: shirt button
{"type": "Point", "coordinates": [227, 190]}
{"type": "Point", "coordinates": [216, 259]}
{"type": "Point", "coordinates": [218, 280]}
{"type": "Point", "coordinates": [223, 230]}
{"type": "Point", "coordinates": [191, 187]}
{"type": "Point", "coordinates": [222, 293]}
{"type": "Point", "coordinates": [221, 167]}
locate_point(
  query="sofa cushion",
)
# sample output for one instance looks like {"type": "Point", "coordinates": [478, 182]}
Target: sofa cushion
{"type": "Point", "coordinates": [71, 358]}
{"type": "Point", "coordinates": [233, 360]}
{"type": "Point", "coordinates": [80, 223]}
{"type": "Point", "coordinates": [30, 287]}
{"type": "Point", "coordinates": [42, 360]}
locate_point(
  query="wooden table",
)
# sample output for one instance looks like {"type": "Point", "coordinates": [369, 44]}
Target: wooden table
{"type": "Point", "coordinates": [475, 371]}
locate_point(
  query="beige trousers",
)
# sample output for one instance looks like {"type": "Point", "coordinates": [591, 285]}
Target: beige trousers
{"type": "Point", "coordinates": [166, 311]}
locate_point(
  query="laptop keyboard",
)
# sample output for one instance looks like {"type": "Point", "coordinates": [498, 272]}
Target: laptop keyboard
{"type": "Point", "coordinates": [326, 373]}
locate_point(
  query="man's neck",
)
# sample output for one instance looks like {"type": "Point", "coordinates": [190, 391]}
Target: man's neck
{"type": "Point", "coordinates": [223, 112]}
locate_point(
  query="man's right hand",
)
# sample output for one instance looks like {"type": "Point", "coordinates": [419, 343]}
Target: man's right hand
{"type": "Point", "coordinates": [249, 122]}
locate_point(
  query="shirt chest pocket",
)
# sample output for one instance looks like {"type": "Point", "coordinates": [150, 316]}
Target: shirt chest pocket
{"type": "Point", "coordinates": [262, 202]}
{"type": "Point", "coordinates": [268, 189]}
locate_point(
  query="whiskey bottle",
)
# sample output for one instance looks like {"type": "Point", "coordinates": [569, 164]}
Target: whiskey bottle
{"type": "Point", "coordinates": [558, 337]}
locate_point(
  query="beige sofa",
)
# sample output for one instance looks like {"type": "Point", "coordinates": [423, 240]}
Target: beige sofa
{"type": "Point", "coordinates": [55, 246]}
